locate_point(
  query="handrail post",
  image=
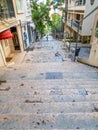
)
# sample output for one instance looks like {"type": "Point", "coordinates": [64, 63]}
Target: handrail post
{"type": "Point", "coordinates": [77, 38]}
{"type": "Point", "coordinates": [70, 34]}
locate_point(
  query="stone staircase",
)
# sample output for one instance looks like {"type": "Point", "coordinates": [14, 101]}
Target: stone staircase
{"type": "Point", "coordinates": [67, 103]}
{"type": "Point", "coordinates": [49, 96]}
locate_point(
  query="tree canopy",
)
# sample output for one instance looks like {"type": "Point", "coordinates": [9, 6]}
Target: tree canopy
{"type": "Point", "coordinates": [40, 15]}
{"type": "Point", "coordinates": [56, 22]}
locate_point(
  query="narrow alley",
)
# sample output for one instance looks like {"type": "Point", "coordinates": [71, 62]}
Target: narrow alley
{"type": "Point", "coordinates": [48, 91]}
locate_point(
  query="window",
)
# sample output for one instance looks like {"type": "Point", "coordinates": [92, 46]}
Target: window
{"type": "Point", "coordinates": [92, 2]}
{"type": "Point", "coordinates": [19, 5]}
{"type": "Point", "coordinates": [6, 9]}
{"type": "Point", "coordinates": [80, 2]}
{"type": "Point", "coordinates": [84, 2]}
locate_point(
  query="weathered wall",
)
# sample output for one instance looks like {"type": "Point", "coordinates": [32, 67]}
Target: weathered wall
{"type": "Point", "coordinates": [88, 22]}
{"type": "Point", "coordinates": [93, 58]}
{"type": "Point", "coordinates": [6, 47]}
{"type": "Point", "coordinates": [2, 57]}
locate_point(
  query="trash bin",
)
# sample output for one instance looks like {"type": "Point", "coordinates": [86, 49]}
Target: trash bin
{"type": "Point", "coordinates": [77, 51]}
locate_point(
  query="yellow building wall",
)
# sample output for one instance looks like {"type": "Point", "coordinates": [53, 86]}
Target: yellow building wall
{"type": "Point", "coordinates": [11, 44]}
{"type": "Point", "coordinates": [1, 61]}
{"type": "Point", "coordinates": [2, 57]}
{"type": "Point", "coordinates": [6, 47]}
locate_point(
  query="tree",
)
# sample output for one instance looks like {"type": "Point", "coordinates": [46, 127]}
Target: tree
{"type": "Point", "coordinates": [56, 22]}
{"type": "Point", "coordinates": [40, 15]}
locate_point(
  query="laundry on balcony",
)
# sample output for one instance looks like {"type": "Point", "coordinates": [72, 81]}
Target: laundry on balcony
{"type": "Point", "coordinates": [6, 35]}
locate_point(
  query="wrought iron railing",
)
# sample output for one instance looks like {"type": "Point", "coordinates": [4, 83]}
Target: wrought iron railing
{"type": "Point", "coordinates": [74, 24]}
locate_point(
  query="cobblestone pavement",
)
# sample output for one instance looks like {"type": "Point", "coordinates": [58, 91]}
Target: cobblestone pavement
{"type": "Point", "coordinates": [48, 91]}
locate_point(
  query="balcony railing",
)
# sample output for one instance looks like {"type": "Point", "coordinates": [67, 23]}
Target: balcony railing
{"type": "Point", "coordinates": [74, 24]}
{"type": "Point", "coordinates": [80, 3]}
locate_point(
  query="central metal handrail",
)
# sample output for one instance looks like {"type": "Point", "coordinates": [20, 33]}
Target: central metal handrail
{"type": "Point", "coordinates": [79, 21]}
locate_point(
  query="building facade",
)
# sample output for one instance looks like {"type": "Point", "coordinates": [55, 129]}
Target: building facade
{"type": "Point", "coordinates": [77, 11]}
{"type": "Point", "coordinates": [15, 16]}
{"type": "Point", "coordinates": [93, 57]}
{"type": "Point", "coordinates": [23, 11]}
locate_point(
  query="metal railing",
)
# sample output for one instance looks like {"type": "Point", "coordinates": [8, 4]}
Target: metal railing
{"type": "Point", "coordinates": [77, 37]}
{"type": "Point", "coordinates": [73, 23]}
{"type": "Point", "coordinates": [76, 25]}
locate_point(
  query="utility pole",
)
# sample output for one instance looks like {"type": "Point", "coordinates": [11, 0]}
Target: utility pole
{"type": "Point", "coordinates": [66, 9]}
{"type": "Point", "coordinates": [65, 14]}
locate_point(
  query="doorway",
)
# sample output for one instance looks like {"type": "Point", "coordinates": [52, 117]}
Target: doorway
{"type": "Point", "coordinates": [15, 38]}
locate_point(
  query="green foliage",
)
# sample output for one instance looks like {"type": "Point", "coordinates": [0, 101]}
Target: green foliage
{"type": "Point", "coordinates": [56, 21]}
{"type": "Point", "coordinates": [40, 15]}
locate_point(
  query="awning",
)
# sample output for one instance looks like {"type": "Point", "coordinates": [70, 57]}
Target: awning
{"type": "Point", "coordinates": [5, 35]}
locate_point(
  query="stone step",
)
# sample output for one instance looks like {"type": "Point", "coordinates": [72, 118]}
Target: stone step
{"type": "Point", "coordinates": [59, 129]}
{"type": "Point", "coordinates": [66, 81]}
{"type": "Point", "coordinates": [25, 90]}
{"type": "Point", "coordinates": [89, 121]}
{"type": "Point", "coordinates": [47, 85]}
{"type": "Point", "coordinates": [33, 75]}
{"type": "Point", "coordinates": [22, 98]}
{"type": "Point", "coordinates": [42, 108]}
{"type": "Point", "coordinates": [63, 66]}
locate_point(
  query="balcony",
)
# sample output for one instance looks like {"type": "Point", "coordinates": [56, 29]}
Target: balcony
{"type": "Point", "coordinates": [80, 2]}
{"type": "Point", "coordinates": [77, 5]}
{"type": "Point", "coordinates": [74, 25]}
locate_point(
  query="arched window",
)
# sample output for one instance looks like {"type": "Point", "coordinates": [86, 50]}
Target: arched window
{"type": "Point", "coordinates": [92, 2]}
